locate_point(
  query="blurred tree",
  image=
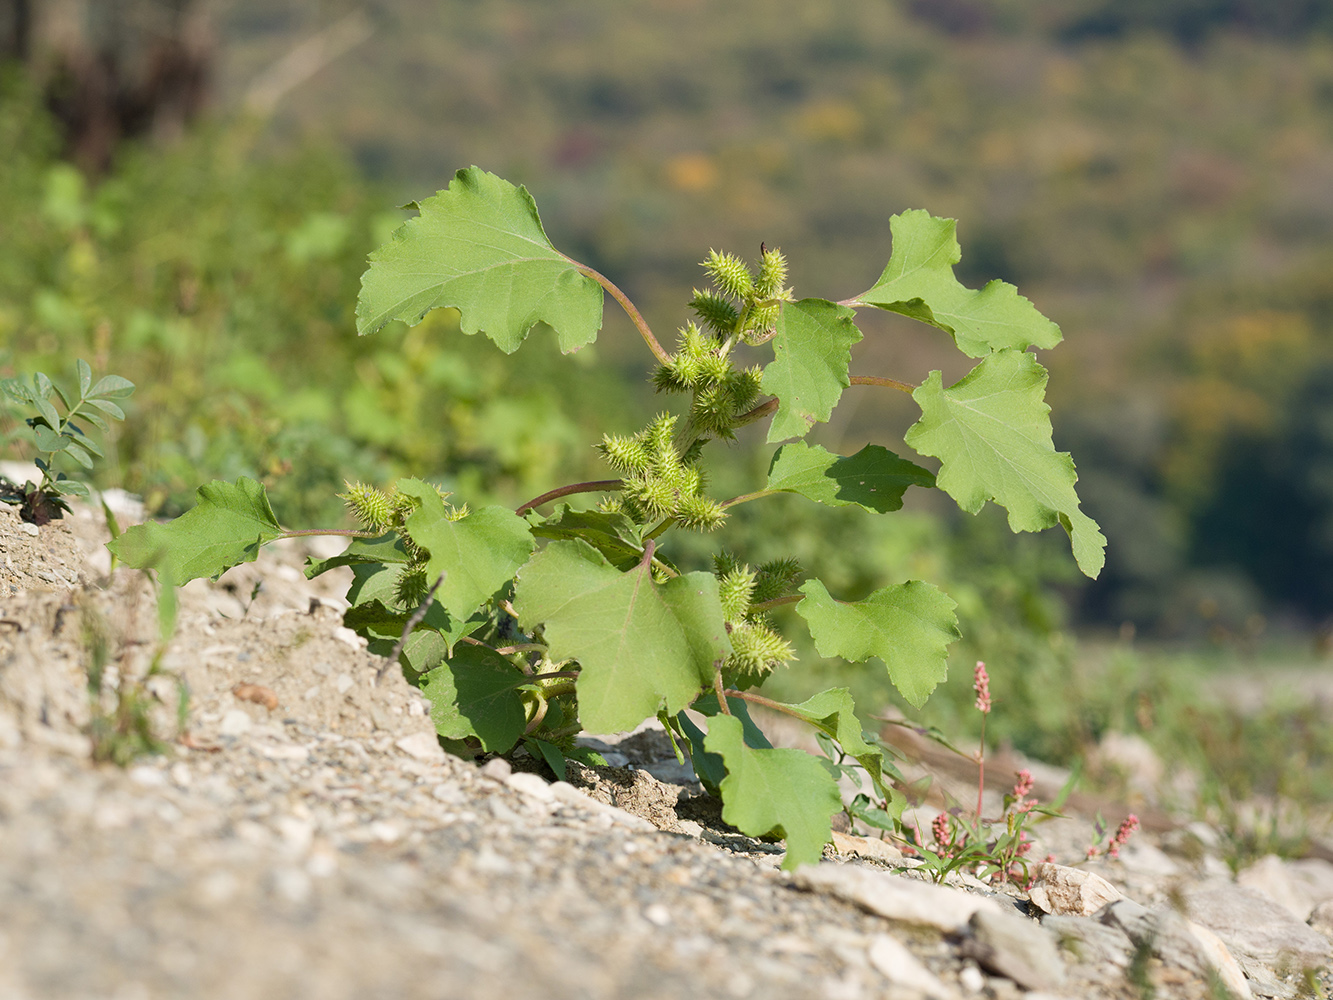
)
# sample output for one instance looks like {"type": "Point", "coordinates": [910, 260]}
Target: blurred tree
{"type": "Point", "coordinates": [112, 70]}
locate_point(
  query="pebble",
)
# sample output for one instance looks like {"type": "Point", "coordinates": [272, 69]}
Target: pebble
{"type": "Point", "coordinates": [1015, 947]}
{"type": "Point", "coordinates": [1068, 891]}
{"type": "Point", "coordinates": [899, 966]}
{"type": "Point", "coordinates": [897, 898]}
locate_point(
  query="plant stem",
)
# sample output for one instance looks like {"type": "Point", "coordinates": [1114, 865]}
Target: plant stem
{"type": "Point", "coordinates": [633, 313]}
{"type": "Point", "coordinates": [571, 674]}
{"type": "Point", "coordinates": [889, 383]}
{"type": "Point", "coordinates": [758, 413]}
{"type": "Point", "coordinates": [776, 602]}
{"type": "Point", "coordinates": [747, 497]}
{"type": "Point", "coordinates": [981, 767]}
{"type": "Point", "coordinates": [342, 532]}
{"type": "Point", "coordinates": [595, 486]}
{"type": "Point", "coordinates": [722, 705]}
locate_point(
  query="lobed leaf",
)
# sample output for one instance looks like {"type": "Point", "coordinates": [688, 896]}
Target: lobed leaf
{"type": "Point", "coordinates": [874, 478]}
{"type": "Point", "coordinates": [386, 548]}
{"type": "Point", "coordinates": [225, 528]}
{"type": "Point", "coordinates": [476, 555]}
{"type": "Point", "coordinates": [613, 535]}
{"type": "Point", "coordinates": [640, 646]}
{"type": "Point", "coordinates": [834, 714]}
{"type": "Point", "coordinates": [475, 692]}
{"type": "Point", "coordinates": [479, 247]}
{"type": "Point", "coordinates": [919, 282]}
{"type": "Point", "coordinates": [991, 432]}
{"type": "Point", "coordinates": [907, 625]}
{"type": "Point", "coordinates": [784, 793]}
{"type": "Point", "coordinates": [811, 355]}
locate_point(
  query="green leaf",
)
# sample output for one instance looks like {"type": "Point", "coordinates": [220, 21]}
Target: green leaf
{"type": "Point", "coordinates": [422, 653]}
{"type": "Point", "coordinates": [224, 529]}
{"type": "Point", "coordinates": [709, 767]}
{"type": "Point", "coordinates": [49, 440]}
{"type": "Point", "coordinates": [907, 625]}
{"type": "Point", "coordinates": [85, 377]}
{"type": "Point", "coordinates": [552, 754]}
{"type": "Point", "coordinates": [17, 390]}
{"type": "Point", "coordinates": [112, 386]}
{"type": "Point", "coordinates": [386, 548]}
{"type": "Point", "coordinates": [373, 615]}
{"type": "Point", "coordinates": [107, 407]}
{"type": "Point", "coordinates": [476, 555]}
{"type": "Point", "coordinates": [811, 354]}
{"type": "Point", "coordinates": [639, 645]}
{"type": "Point", "coordinates": [613, 535]}
{"type": "Point", "coordinates": [874, 478]}
{"type": "Point", "coordinates": [79, 455]}
{"type": "Point", "coordinates": [474, 692]}
{"type": "Point", "coordinates": [992, 434]}
{"type": "Point", "coordinates": [919, 282]}
{"type": "Point", "coordinates": [85, 442]}
{"type": "Point", "coordinates": [47, 412]}
{"type": "Point", "coordinates": [834, 714]}
{"type": "Point", "coordinates": [784, 793]}
{"type": "Point", "coordinates": [71, 488]}
{"type": "Point", "coordinates": [480, 247]}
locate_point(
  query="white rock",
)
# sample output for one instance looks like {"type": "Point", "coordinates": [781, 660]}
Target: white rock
{"type": "Point", "coordinates": [422, 746]}
{"type": "Point", "coordinates": [497, 768]}
{"type": "Point", "coordinates": [895, 897]}
{"type": "Point", "coordinates": [972, 979]}
{"type": "Point", "coordinates": [1069, 891]}
{"type": "Point", "coordinates": [234, 723]}
{"type": "Point", "coordinates": [343, 683]}
{"type": "Point", "coordinates": [344, 634]}
{"type": "Point", "coordinates": [1217, 955]}
{"type": "Point", "coordinates": [564, 792]}
{"type": "Point", "coordinates": [1271, 877]}
{"type": "Point", "coordinates": [657, 915]}
{"type": "Point", "coordinates": [147, 776]}
{"type": "Point", "coordinates": [867, 847]}
{"type": "Point", "coordinates": [530, 785]}
{"type": "Point", "coordinates": [899, 966]}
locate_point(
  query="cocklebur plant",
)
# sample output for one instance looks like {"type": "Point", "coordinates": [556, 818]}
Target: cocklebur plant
{"type": "Point", "coordinates": [526, 627]}
{"type": "Point", "coordinates": [54, 435]}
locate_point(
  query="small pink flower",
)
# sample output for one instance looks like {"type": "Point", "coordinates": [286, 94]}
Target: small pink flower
{"type": "Point", "coordinates": [981, 682]}
{"type": "Point", "coordinates": [1122, 835]}
{"type": "Point", "coordinates": [1024, 844]}
{"type": "Point", "coordinates": [939, 826]}
{"type": "Point", "coordinates": [1049, 859]}
{"type": "Point", "coordinates": [1024, 783]}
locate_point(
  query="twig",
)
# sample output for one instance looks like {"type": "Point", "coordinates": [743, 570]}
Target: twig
{"type": "Point", "coordinates": [633, 313]}
{"type": "Point", "coordinates": [598, 485]}
{"type": "Point", "coordinates": [412, 623]}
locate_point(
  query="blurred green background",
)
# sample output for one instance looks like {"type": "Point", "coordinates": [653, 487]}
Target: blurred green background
{"type": "Point", "coordinates": [189, 190]}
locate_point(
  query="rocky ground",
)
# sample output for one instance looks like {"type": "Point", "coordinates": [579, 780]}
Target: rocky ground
{"type": "Point", "coordinates": [303, 835]}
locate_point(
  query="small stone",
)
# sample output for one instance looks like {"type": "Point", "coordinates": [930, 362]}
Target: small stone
{"type": "Point", "coordinates": [1015, 947]}
{"type": "Point", "coordinates": [900, 967]}
{"type": "Point", "coordinates": [180, 774]}
{"type": "Point", "coordinates": [148, 776]}
{"type": "Point", "coordinates": [1067, 891]}
{"type": "Point", "coordinates": [867, 847]}
{"type": "Point", "coordinates": [530, 785]}
{"type": "Point", "coordinates": [421, 746]}
{"type": "Point", "coordinates": [497, 769]}
{"type": "Point", "coordinates": [385, 833]}
{"type": "Point", "coordinates": [893, 896]}
{"type": "Point", "coordinates": [971, 979]}
{"type": "Point", "coordinates": [29, 529]}
{"type": "Point", "coordinates": [343, 684]}
{"type": "Point", "coordinates": [344, 634]}
{"type": "Point", "coordinates": [234, 722]}
{"type": "Point", "coordinates": [292, 884]}
{"type": "Point", "coordinates": [657, 915]}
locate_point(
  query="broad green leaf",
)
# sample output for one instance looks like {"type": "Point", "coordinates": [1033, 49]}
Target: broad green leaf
{"type": "Point", "coordinates": [479, 247]}
{"type": "Point", "coordinates": [919, 282]}
{"type": "Point", "coordinates": [708, 767]}
{"type": "Point", "coordinates": [811, 354]}
{"type": "Point", "coordinates": [79, 455]}
{"type": "Point", "coordinates": [85, 442]}
{"type": "Point", "coordinates": [386, 548]}
{"type": "Point", "coordinates": [71, 488]}
{"type": "Point", "coordinates": [907, 625]}
{"type": "Point", "coordinates": [783, 793]}
{"type": "Point", "coordinates": [992, 434]}
{"type": "Point", "coordinates": [47, 411]}
{"type": "Point", "coordinates": [613, 535]}
{"type": "Point", "coordinates": [834, 714]}
{"type": "Point", "coordinates": [422, 653]}
{"type": "Point", "coordinates": [874, 478]}
{"type": "Point", "coordinates": [374, 582]}
{"type": "Point", "coordinates": [49, 440]}
{"type": "Point", "coordinates": [224, 529]}
{"type": "Point", "coordinates": [112, 386]}
{"type": "Point", "coordinates": [375, 618]}
{"type": "Point", "coordinates": [477, 555]}
{"type": "Point", "coordinates": [85, 376]}
{"type": "Point", "coordinates": [474, 692]}
{"type": "Point", "coordinates": [107, 407]}
{"type": "Point", "coordinates": [640, 645]}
